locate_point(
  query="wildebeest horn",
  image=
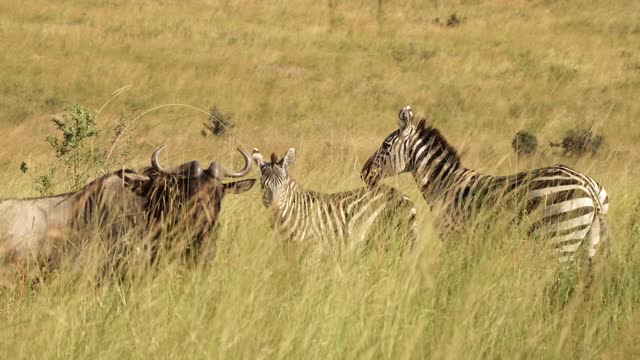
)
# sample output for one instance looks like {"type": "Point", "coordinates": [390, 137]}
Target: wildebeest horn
{"type": "Point", "coordinates": [191, 169]}
{"type": "Point", "coordinates": [154, 160]}
{"type": "Point", "coordinates": [220, 171]}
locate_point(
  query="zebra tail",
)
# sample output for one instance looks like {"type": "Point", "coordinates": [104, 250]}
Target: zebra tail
{"type": "Point", "coordinates": [602, 208]}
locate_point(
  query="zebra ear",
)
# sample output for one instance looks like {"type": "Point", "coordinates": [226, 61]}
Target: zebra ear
{"type": "Point", "coordinates": [289, 158]}
{"type": "Point", "coordinates": [405, 117]}
{"type": "Point", "coordinates": [257, 157]}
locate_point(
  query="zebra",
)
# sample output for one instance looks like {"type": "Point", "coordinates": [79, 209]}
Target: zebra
{"type": "Point", "coordinates": [339, 222]}
{"type": "Point", "coordinates": [562, 204]}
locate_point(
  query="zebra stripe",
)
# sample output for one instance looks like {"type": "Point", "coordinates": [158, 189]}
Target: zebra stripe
{"type": "Point", "coordinates": [562, 204]}
{"type": "Point", "coordinates": [337, 222]}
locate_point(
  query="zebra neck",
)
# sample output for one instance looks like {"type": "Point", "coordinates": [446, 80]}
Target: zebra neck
{"type": "Point", "coordinates": [436, 186]}
{"type": "Point", "coordinates": [290, 195]}
{"type": "Point", "coordinates": [434, 164]}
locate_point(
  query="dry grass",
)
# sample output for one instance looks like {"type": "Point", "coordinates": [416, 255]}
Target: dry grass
{"type": "Point", "coordinates": [329, 80]}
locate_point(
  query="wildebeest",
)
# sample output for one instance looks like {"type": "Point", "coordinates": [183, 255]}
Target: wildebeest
{"type": "Point", "coordinates": [187, 197]}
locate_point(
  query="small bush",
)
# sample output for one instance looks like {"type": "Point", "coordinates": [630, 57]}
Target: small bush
{"type": "Point", "coordinates": [218, 123]}
{"type": "Point", "coordinates": [453, 20]}
{"type": "Point", "coordinates": [579, 142]}
{"type": "Point", "coordinates": [44, 183]}
{"type": "Point", "coordinates": [76, 127]}
{"type": "Point", "coordinates": [524, 143]}
{"type": "Point", "coordinates": [78, 146]}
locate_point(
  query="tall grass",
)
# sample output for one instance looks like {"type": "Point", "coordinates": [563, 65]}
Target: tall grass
{"type": "Point", "coordinates": [484, 294]}
{"type": "Point", "coordinates": [329, 82]}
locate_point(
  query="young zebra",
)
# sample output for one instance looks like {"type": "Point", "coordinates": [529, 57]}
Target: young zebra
{"type": "Point", "coordinates": [339, 222]}
{"type": "Point", "coordinates": [562, 204]}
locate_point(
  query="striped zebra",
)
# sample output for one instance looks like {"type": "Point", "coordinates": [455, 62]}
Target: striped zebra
{"type": "Point", "coordinates": [339, 222]}
{"type": "Point", "coordinates": [562, 205]}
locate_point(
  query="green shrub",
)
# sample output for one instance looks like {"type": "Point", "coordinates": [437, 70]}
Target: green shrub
{"type": "Point", "coordinates": [218, 123]}
{"type": "Point", "coordinates": [579, 142]}
{"type": "Point", "coordinates": [43, 184]}
{"type": "Point", "coordinates": [76, 127]}
{"type": "Point", "coordinates": [453, 20]}
{"type": "Point", "coordinates": [524, 143]}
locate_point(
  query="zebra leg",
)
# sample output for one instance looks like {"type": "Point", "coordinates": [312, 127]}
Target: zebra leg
{"type": "Point", "coordinates": [593, 237]}
{"type": "Point", "coordinates": [597, 234]}
{"type": "Point", "coordinates": [599, 229]}
{"type": "Point", "coordinates": [414, 229]}
{"type": "Point", "coordinates": [407, 226]}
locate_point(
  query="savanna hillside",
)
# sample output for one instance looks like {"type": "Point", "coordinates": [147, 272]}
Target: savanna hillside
{"type": "Point", "coordinates": [328, 78]}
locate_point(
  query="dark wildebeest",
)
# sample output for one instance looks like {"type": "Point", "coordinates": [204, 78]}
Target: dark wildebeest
{"type": "Point", "coordinates": [186, 198]}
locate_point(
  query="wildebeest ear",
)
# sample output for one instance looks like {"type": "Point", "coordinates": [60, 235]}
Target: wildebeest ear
{"type": "Point", "coordinates": [238, 187]}
{"type": "Point", "coordinates": [289, 158]}
{"type": "Point", "coordinates": [134, 182]}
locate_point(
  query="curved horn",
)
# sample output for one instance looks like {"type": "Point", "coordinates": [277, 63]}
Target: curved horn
{"type": "Point", "coordinates": [191, 169]}
{"type": "Point", "coordinates": [154, 160]}
{"type": "Point", "coordinates": [224, 172]}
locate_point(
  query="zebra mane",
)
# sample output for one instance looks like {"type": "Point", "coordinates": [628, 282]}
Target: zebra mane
{"type": "Point", "coordinates": [429, 132]}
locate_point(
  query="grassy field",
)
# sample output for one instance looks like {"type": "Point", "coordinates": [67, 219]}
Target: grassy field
{"type": "Point", "coordinates": [328, 78]}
